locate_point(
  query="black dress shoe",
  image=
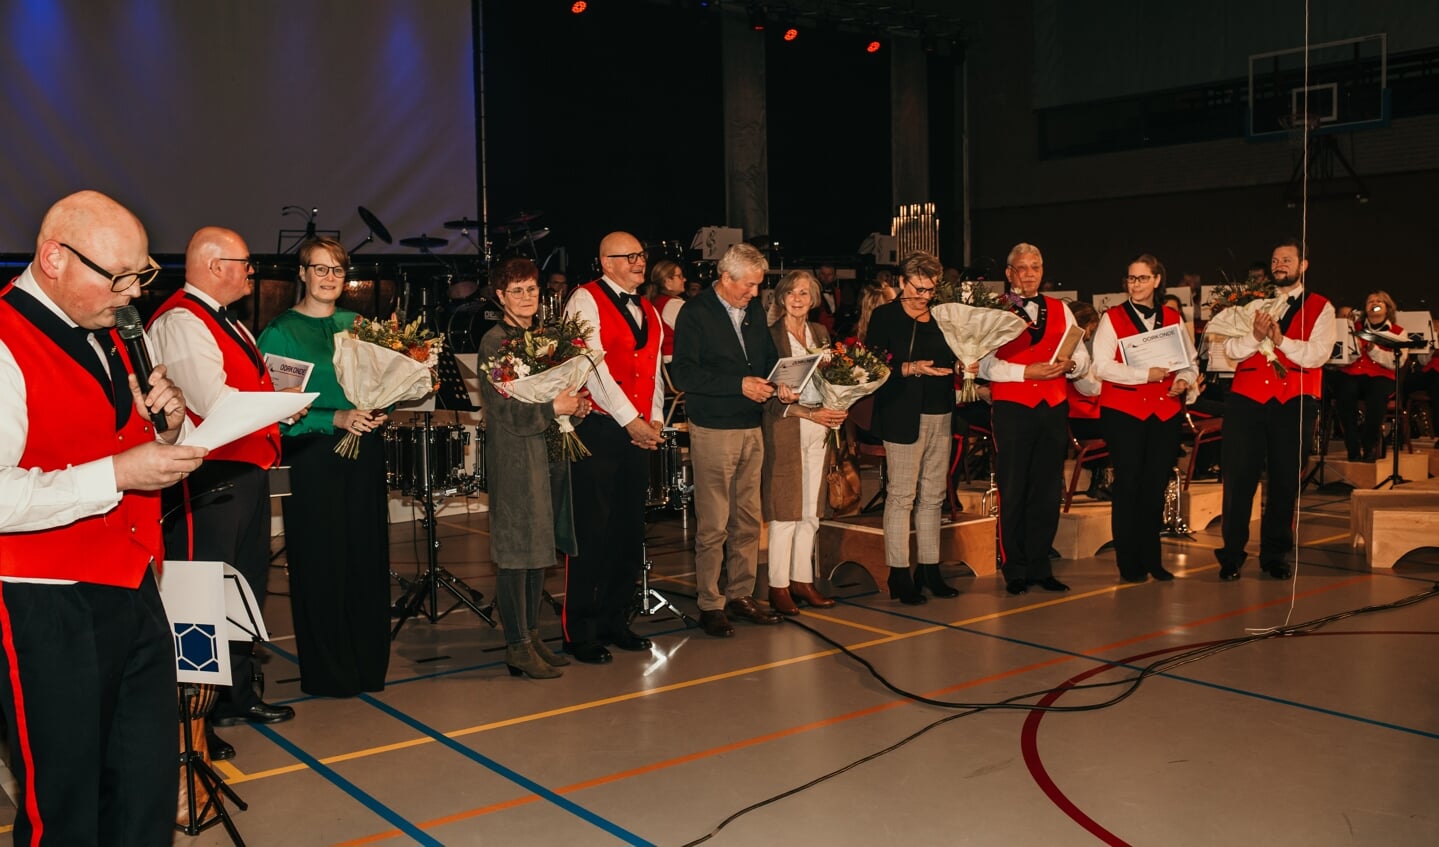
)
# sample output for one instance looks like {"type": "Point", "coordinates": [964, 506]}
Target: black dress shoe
{"type": "Point", "coordinates": [589, 652]}
{"type": "Point", "coordinates": [714, 622]}
{"type": "Point", "coordinates": [1229, 573]}
{"type": "Point", "coordinates": [747, 608]}
{"type": "Point", "coordinates": [220, 749]}
{"type": "Point", "coordinates": [1135, 578]}
{"type": "Point", "coordinates": [1161, 573]}
{"type": "Point", "coordinates": [1049, 583]}
{"type": "Point", "coordinates": [902, 588]}
{"type": "Point", "coordinates": [627, 640]}
{"type": "Point", "coordinates": [1017, 586]}
{"type": "Point", "coordinates": [1278, 570]}
{"type": "Point", "coordinates": [258, 713]}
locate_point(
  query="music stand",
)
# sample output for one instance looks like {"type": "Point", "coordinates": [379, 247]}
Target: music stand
{"type": "Point", "coordinates": [423, 595]}
{"type": "Point", "coordinates": [203, 601]}
{"type": "Point", "coordinates": [1397, 346]}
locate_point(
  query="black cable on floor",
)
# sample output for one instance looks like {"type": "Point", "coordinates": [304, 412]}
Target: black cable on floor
{"type": "Point", "coordinates": [1131, 684]}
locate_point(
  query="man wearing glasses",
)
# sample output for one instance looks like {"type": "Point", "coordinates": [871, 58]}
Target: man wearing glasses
{"type": "Point", "coordinates": [210, 354]}
{"type": "Point", "coordinates": [610, 487]}
{"type": "Point", "coordinates": [87, 662]}
{"type": "Point", "coordinates": [1031, 424]}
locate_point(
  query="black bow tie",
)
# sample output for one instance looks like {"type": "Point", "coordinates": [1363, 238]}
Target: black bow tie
{"type": "Point", "coordinates": [1294, 301]}
{"type": "Point", "coordinates": [626, 297]}
{"type": "Point", "coordinates": [1146, 312]}
{"type": "Point", "coordinates": [224, 314]}
{"type": "Point", "coordinates": [1031, 301]}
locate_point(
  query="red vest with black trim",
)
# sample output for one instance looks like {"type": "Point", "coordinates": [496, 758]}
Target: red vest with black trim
{"type": "Point", "coordinates": [1150, 399]}
{"type": "Point", "coordinates": [1081, 406]}
{"type": "Point", "coordinates": [1032, 392]}
{"type": "Point", "coordinates": [1365, 366]}
{"type": "Point", "coordinates": [667, 347]}
{"type": "Point", "coordinates": [261, 447]}
{"type": "Point", "coordinates": [70, 422]}
{"type": "Point", "coordinates": [633, 370]}
{"type": "Point", "coordinates": [1256, 379]}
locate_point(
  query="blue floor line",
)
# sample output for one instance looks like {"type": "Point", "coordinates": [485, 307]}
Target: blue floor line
{"type": "Point", "coordinates": [513, 776]}
{"type": "Point", "coordinates": [369, 802]}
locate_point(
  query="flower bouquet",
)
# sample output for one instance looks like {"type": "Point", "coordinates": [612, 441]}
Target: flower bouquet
{"type": "Point", "coordinates": [537, 365]}
{"type": "Point", "coordinates": [1233, 309]}
{"type": "Point", "coordinates": [381, 363]}
{"type": "Point", "coordinates": [977, 324]}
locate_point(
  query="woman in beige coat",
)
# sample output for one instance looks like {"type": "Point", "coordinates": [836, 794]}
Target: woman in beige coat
{"type": "Point", "coordinates": [796, 442]}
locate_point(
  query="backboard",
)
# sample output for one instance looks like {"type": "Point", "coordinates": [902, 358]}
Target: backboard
{"type": "Point", "coordinates": [1344, 88]}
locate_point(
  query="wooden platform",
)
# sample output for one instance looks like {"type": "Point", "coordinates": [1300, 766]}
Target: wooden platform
{"type": "Point", "coordinates": [969, 541]}
{"type": "Point", "coordinates": [1204, 503]}
{"type": "Point", "coordinates": [1391, 523]}
{"type": "Point", "coordinates": [1084, 529]}
{"type": "Point", "coordinates": [1412, 466]}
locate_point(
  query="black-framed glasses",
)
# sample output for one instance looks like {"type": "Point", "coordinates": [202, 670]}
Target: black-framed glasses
{"type": "Point", "coordinates": [1140, 278]}
{"type": "Point", "coordinates": [119, 282]}
{"type": "Point", "coordinates": [922, 289]}
{"type": "Point", "coordinates": [323, 271]}
{"type": "Point", "coordinates": [249, 263]}
{"type": "Point", "coordinates": [632, 258]}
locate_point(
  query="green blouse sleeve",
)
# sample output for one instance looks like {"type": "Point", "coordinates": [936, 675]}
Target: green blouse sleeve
{"type": "Point", "coordinates": [311, 340]}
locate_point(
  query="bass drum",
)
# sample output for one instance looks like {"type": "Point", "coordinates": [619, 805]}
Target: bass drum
{"type": "Point", "coordinates": [372, 290]}
{"type": "Point", "coordinates": [468, 323]}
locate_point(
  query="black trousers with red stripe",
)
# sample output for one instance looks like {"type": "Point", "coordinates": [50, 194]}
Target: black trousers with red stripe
{"type": "Point", "coordinates": [1029, 448]}
{"type": "Point", "coordinates": [88, 689]}
{"type": "Point", "coordinates": [609, 488]}
{"type": "Point", "coordinates": [1143, 453]}
{"type": "Point", "coordinates": [226, 519]}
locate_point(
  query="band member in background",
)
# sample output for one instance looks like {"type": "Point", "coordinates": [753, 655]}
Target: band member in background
{"type": "Point", "coordinates": [1139, 416]}
{"type": "Point", "coordinates": [723, 355]}
{"type": "Point", "coordinates": [1369, 379]}
{"type": "Point", "coordinates": [87, 661]}
{"type": "Point", "coordinates": [1030, 436]}
{"type": "Point", "coordinates": [611, 485]}
{"type": "Point", "coordinates": [210, 355]}
{"type": "Point", "coordinates": [666, 290]}
{"type": "Point", "coordinates": [1268, 418]}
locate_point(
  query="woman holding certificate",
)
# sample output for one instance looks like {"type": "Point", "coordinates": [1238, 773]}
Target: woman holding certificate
{"type": "Point", "coordinates": [1146, 360]}
{"type": "Point", "coordinates": [796, 441]}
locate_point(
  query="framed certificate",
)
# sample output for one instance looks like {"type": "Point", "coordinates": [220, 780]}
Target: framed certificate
{"type": "Point", "coordinates": [794, 371]}
{"type": "Point", "coordinates": [1162, 348]}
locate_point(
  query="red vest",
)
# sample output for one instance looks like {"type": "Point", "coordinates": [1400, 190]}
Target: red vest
{"type": "Point", "coordinates": [1081, 405]}
{"type": "Point", "coordinates": [1365, 366]}
{"type": "Point", "coordinates": [667, 347]}
{"type": "Point", "coordinates": [1150, 398]}
{"type": "Point", "coordinates": [261, 447]}
{"type": "Point", "coordinates": [633, 370]}
{"type": "Point", "coordinates": [1256, 379]}
{"type": "Point", "coordinates": [1032, 392]}
{"type": "Point", "coordinates": [70, 422]}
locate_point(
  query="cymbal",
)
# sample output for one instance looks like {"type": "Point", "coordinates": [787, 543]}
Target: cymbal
{"type": "Point", "coordinates": [462, 223]}
{"type": "Point", "coordinates": [524, 217]}
{"type": "Point", "coordinates": [424, 242]}
{"type": "Point", "coordinates": [530, 237]}
{"type": "Point", "coordinates": [375, 226]}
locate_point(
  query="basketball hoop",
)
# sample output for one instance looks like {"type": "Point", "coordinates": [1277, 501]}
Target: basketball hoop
{"type": "Point", "coordinates": [1297, 126]}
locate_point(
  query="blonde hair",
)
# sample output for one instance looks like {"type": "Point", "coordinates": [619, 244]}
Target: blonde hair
{"type": "Point", "coordinates": [788, 283]}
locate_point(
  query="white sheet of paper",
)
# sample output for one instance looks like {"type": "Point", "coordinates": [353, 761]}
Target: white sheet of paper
{"type": "Point", "coordinates": [240, 413]}
{"type": "Point", "coordinates": [1161, 348]}
{"type": "Point", "coordinates": [794, 371]}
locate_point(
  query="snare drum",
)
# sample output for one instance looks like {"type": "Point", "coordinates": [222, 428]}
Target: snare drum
{"type": "Point", "coordinates": [669, 480]}
{"type": "Point", "coordinates": [406, 455]}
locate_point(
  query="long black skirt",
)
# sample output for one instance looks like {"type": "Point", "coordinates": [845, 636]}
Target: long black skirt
{"type": "Point", "coordinates": [337, 541]}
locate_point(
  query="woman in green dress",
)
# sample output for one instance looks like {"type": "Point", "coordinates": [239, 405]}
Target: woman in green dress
{"type": "Point", "coordinates": [336, 517]}
{"type": "Point", "coordinates": [529, 495]}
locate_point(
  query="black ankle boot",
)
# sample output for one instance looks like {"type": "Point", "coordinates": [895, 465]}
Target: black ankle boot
{"type": "Point", "coordinates": [928, 577]}
{"type": "Point", "coordinates": [901, 588]}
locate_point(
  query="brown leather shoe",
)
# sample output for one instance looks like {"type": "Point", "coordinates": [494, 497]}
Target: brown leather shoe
{"type": "Point", "coordinates": [781, 602]}
{"type": "Point", "coordinates": [745, 607]}
{"type": "Point", "coordinates": [804, 592]}
{"type": "Point", "coordinates": [715, 623]}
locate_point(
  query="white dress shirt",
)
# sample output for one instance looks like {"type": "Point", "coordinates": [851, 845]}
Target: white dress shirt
{"type": "Point", "coordinates": [1108, 368]}
{"type": "Point", "coordinates": [191, 354]}
{"type": "Point", "coordinates": [1306, 354]}
{"type": "Point", "coordinates": [995, 369]}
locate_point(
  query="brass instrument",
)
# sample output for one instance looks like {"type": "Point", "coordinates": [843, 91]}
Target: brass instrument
{"type": "Point", "coordinates": [1174, 523]}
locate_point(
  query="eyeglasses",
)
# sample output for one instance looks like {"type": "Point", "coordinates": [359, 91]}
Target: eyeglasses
{"type": "Point", "coordinates": [632, 258]}
{"type": "Point", "coordinates": [926, 289]}
{"type": "Point", "coordinates": [249, 265]}
{"type": "Point", "coordinates": [1140, 278]}
{"type": "Point", "coordinates": [532, 291]}
{"type": "Point", "coordinates": [323, 271]}
{"type": "Point", "coordinates": [119, 282]}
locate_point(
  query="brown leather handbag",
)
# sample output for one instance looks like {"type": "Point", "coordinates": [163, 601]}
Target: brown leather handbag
{"type": "Point", "coordinates": [842, 481]}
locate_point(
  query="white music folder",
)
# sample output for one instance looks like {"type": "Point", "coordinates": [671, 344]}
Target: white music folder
{"type": "Point", "coordinates": [208, 604]}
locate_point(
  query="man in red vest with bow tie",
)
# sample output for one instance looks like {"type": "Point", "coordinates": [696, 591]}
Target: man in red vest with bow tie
{"type": "Point", "coordinates": [210, 354]}
{"type": "Point", "coordinates": [87, 661]}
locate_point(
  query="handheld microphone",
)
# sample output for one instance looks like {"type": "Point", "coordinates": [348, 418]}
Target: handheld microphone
{"type": "Point", "coordinates": [127, 321]}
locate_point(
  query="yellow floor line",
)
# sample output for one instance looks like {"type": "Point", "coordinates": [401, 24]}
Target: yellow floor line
{"type": "Point", "coordinates": [1343, 536]}
{"type": "Point", "coordinates": [816, 616]}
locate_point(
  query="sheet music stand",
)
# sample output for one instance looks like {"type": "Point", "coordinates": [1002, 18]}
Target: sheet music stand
{"type": "Point", "coordinates": [1397, 346]}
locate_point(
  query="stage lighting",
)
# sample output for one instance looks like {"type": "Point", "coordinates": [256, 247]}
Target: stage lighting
{"type": "Point", "coordinates": [791, 34]}
{"type": "Point", "coordinates": [578, 7]}
{"type": "Point", "coordinates": [873, 46]}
